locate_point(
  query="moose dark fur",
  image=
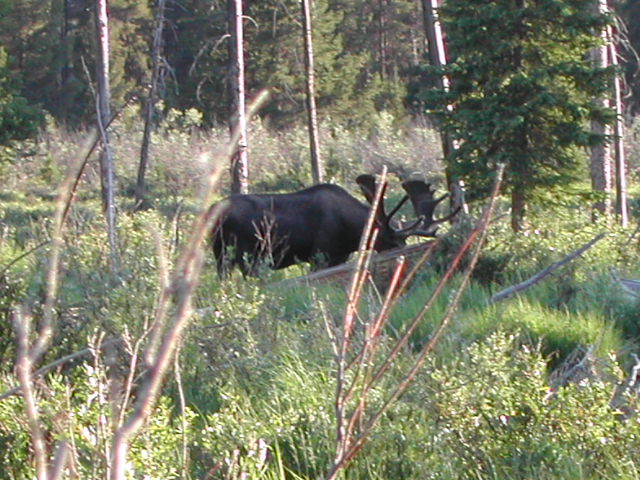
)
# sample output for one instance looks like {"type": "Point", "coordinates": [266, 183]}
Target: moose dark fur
{"type": "Point", "coordinates": [321, 225]}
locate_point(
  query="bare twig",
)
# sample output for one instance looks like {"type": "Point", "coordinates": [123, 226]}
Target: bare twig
{"type": "Point", "coordinates": [55, 364]}
{"type": "Point", "coordinates": [28, 354]}
{"type": "Point", "coordinates": [134, 351]}
{"type": "Point", "coordinates": [507, 292]}
{"type": "Point", "coordinates": [348, 443]}
{"type": "Point", "coordinates": [344, 340]}
{"type": "Point", "coordinates": [21, 324]}
{"type": "Point", "coordinates": [179, 290]}
{"type": "Point", "coordinates": [60, 461]}
{"type": "Point", "coordinates": [183, 417]}
{"type": "Point", "coordinates": [23, 255]}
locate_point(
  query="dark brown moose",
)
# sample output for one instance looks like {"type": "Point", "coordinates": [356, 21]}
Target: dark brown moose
{"type": "Point", "coordinates": [321, 225]}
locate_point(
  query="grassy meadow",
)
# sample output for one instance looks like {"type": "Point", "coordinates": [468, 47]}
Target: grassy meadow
{"type": "Point", "coordinates": [537, 386]}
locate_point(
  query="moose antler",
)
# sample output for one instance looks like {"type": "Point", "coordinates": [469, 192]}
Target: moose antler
{"type": "Point", "coordinates": [367, 185]}
{"type": "Point", "coordinates": [424, 203]}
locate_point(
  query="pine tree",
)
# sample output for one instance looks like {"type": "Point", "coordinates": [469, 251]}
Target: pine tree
{"type": "Point", "coordinates": [18, 119]}
{"type": "Point", "coordinates": [522, 93]}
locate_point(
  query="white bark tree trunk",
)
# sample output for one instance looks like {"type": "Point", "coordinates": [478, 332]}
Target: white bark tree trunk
{"type": "Point", "coordinates": [438, 58]}
{"type": "Point", "coordinates": [238, 121]}
{"type": "Point", "coordinates": [618, 131]}
{"type": "Point", "coordinates": [107, 175]}
{"type": "Point", "coordinates": [600, 158]}
{"type": "Point", "coordinates": [312, 115]}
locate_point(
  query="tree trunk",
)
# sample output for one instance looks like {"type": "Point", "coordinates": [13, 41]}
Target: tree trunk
{"type": "Point", "coordinates": [312, 116]}
{"type": "Point", "coordinates": [618, 131]}
{"type": "Point", "coordinates": [437, 58]}
{"type": "Point", "coordinates": [382, 38]}
{"type": "Point", "coordinates": [150, 106]}
{"type": "Point", "coordinates": [600, 159]}
{"type": "Point", "coordinates": [107, 176]}
{"type": "Point", "coordinates": [518, 204]}
{"type": "Point", "coordinates": [237, 122]}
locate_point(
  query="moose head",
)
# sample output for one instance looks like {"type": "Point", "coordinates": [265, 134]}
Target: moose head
{"type": "Point", "coordinates": [422, 197]}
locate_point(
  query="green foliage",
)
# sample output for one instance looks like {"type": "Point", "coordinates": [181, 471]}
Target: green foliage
{"type": "Point", "coordinates": [18, 119]}
{"type": "Point", "coordinates": [257, 371]}
{"type": "Point", "coordinates": [75, 407]}
{"type": "Point", "coordinates": [559, 333]}
{"type": "Point", "coordinates": [501, 419]}
{"type": "Point", "coordinates": [522, 93]}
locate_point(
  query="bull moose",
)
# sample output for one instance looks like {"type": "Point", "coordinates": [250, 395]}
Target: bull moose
{"type": "Point", "coordinates": [321, 224]}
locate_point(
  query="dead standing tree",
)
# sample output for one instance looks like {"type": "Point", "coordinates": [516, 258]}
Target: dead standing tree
{"type": "Point", "coordinates": [618, 132]}
{"type": "Point", "coordinates": [438, 58]}
{"type": "Point", "coordinates": [600, 158]}
{"type": "Point", "coordinates": [237, 116]}
{"type": "Point", "coordinates": [150, 106]}
{"type": "Point", "coordinates": [312, 115]}
{"type": "Point", "coordinates": [103, 100]}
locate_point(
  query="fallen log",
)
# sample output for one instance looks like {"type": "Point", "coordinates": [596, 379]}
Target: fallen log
{"type": "Point", "coordinates": [508, 292]}
{"type": "Point", "coordinates": [381, 267]}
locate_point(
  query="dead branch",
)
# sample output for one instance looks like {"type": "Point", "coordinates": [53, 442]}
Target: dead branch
{"type": "Point", "coordinates": [507, 292]}
{"type": "Point", "coordinates": [57, 363]}
{"type": "Point", "coordinates": [349, 444]}
{"type": "Point", "coordinates": [59, 461]}
{"type": "Point", "coordinates": [358, 279]}
{"type": "Point", "coordinates": [22, 325]}
{"type": "Point", "coordinates": [179, 290]}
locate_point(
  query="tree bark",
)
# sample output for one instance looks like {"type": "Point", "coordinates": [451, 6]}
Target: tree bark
{"type": "Point", "coordinates": [382, 38]}
{"type": "Point", "coordinates": [103, 101]}
{"type": "Point", "coordinates": [518, 204]}
{"type": "Point", "coordinates": [600, 158]}
{"type": "Point", "coordinates": [618, 131]}
{"type": "Point", "coordinates": [150, 105]}
{"type": "Point", "coordinates": [438, 58]}
{"type": "Point", "coordinates": [238, 122]}
{"type": "Point", "coordinates": [312, 115]}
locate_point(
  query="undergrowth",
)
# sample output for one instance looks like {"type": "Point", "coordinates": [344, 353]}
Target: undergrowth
{"type": "Point", "coordinates": [253, 390]}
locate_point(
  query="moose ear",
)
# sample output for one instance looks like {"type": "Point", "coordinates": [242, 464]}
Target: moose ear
{"type": "Point", "coordinates": [367, 186]}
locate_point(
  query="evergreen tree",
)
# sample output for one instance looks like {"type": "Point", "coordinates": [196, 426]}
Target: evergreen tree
{"type": "Point", "coordinates": [196, 51]}
{"type": "Point", "coordinates": [18, 119]}
{"type": "Point", "coordinates": [52, 44]}
{"type": "Point", "coordinates": [522, 93]}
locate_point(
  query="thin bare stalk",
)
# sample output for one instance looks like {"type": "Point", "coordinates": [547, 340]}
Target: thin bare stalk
{"type": "Point", "coordinates": [372, 338]}
{"type": "Point", "coordinates": [150, 104]}
{"type": "Point", "coordinates": [357, 283]}
{"type": "Point", "coordinates": [28, 355]}
{"type": "Point", "coordinates": [180, 289]}
{"type": "Point", "coordinates": [183, 416]}
{"type": "Point", "coordinates": [350, 447]}
{"type": "Point", "coordinates": [21, 323]}
{"type": "Point", "coordinates": [60, 461]}
{"type": "Point", "coordinates": [102, 428]}
{"type": "Point", "coordinates": [134, 351]}
{"type": "Point", "coordinates": [61, 361]}
{"type": "Point", "coordinates": [162, 303]}
{"type": "Point", "coordinates": [46, 325]}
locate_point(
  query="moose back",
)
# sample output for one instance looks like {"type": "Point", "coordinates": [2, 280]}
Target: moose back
{"type": "Point", "coordinates": [321, 225]}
